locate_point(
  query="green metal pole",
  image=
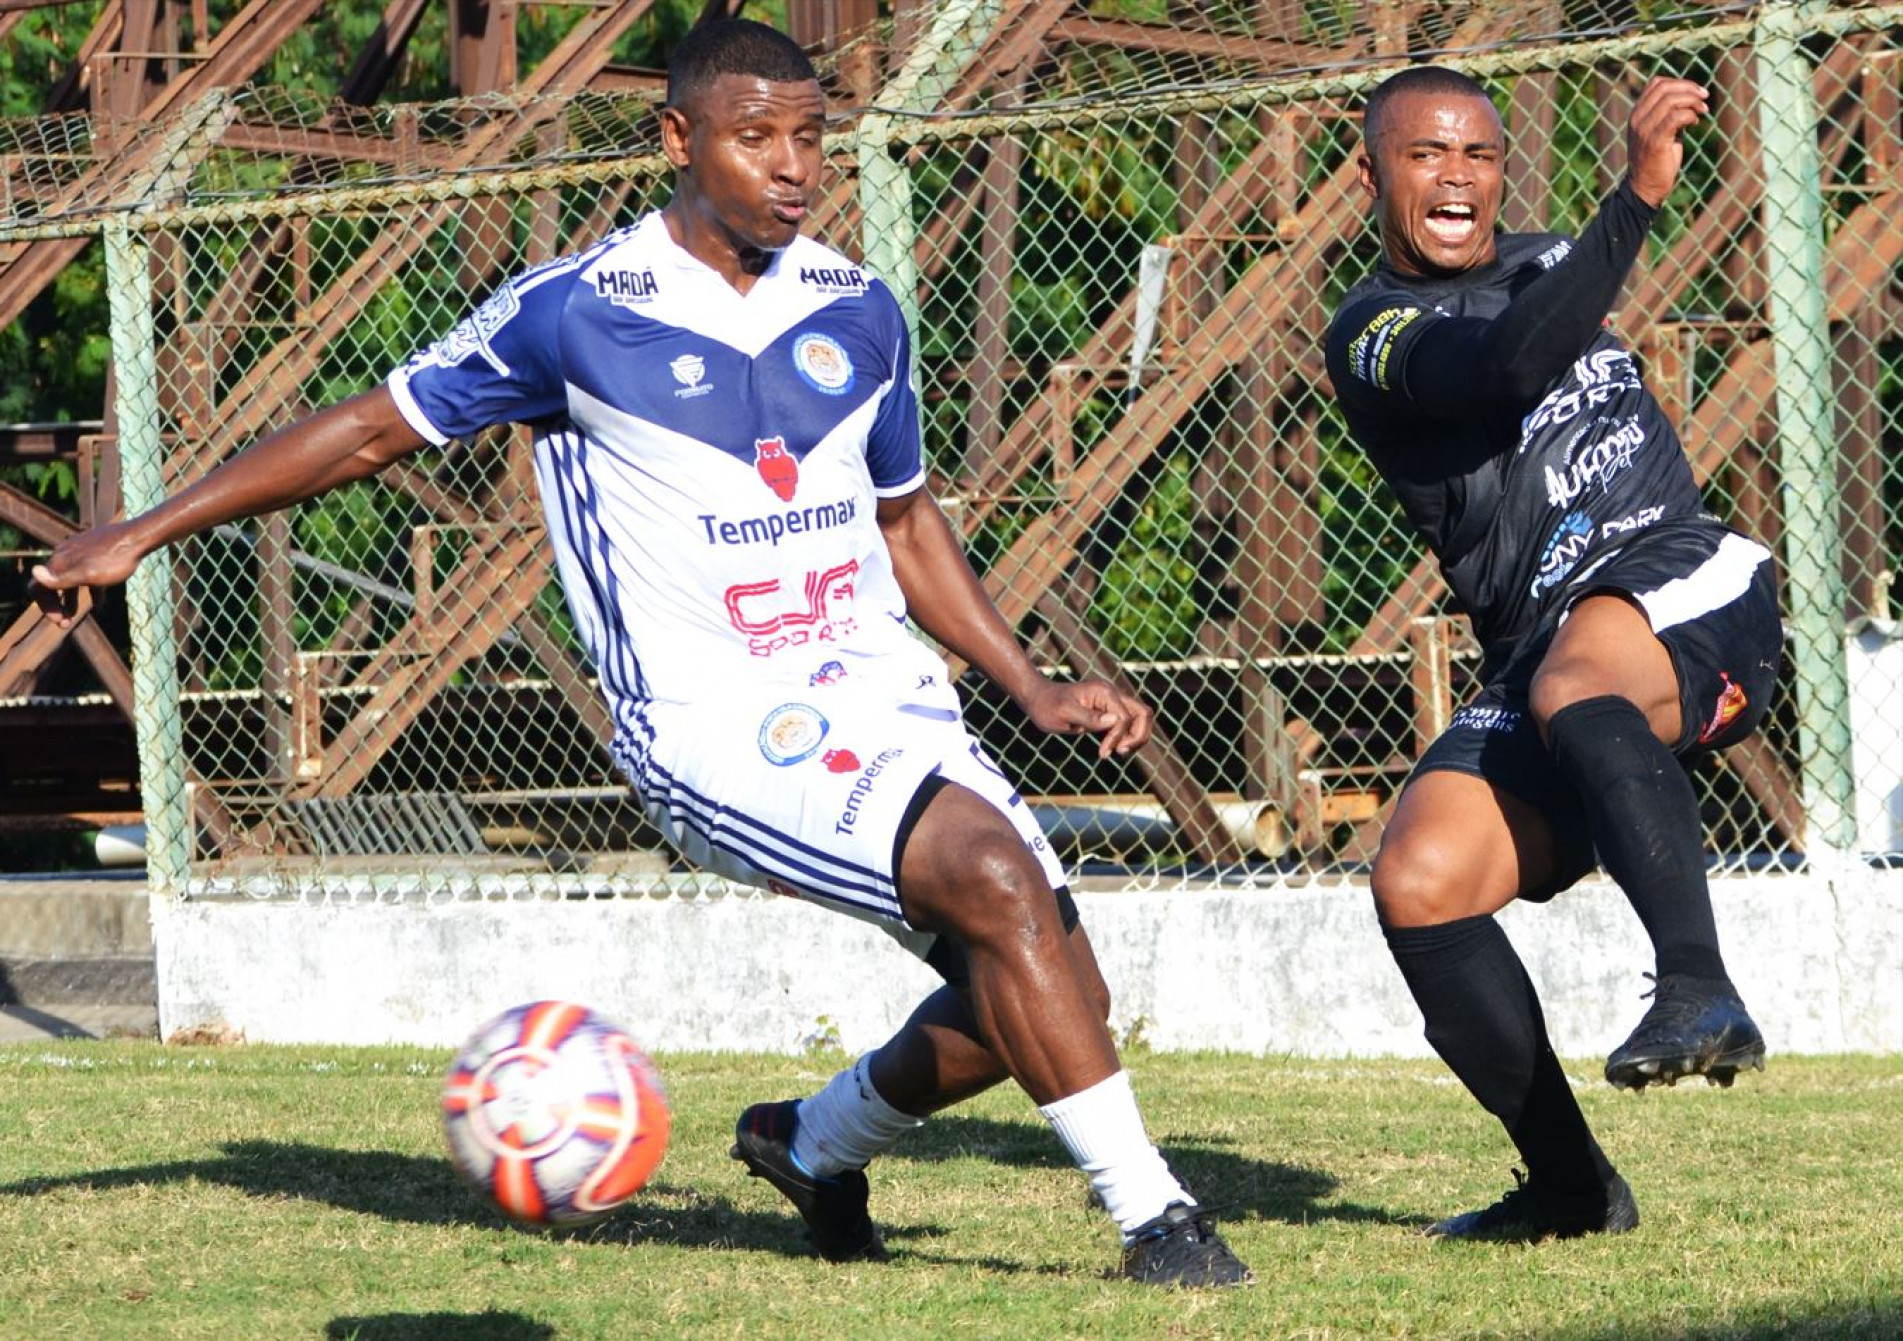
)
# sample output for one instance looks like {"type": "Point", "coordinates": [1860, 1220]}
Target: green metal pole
{"type": "Point", "coordinates": [149, 595]}
{"type": "Point", "coordinates": [1806, 416]}
{"type": "Point", "coordinates": [889, 233]}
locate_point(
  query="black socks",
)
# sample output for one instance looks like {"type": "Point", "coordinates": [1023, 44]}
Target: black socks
{"type": "Point", "coordinates": [1643, 816]}
{"type": "Point", "coordinates": [1484, 1020]}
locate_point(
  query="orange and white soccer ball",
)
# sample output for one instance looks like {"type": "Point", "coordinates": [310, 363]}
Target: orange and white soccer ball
{"type": "Point", "coordinates": [554, 1114]}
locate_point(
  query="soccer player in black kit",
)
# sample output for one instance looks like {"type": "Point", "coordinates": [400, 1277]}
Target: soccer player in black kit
{"type": "Point", "coordinates": [1624, 628]}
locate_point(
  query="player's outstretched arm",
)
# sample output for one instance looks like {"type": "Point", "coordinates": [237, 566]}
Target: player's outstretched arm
{"type": "Point", "coordinates": [348, 441]}
{"type": "Point", "coordinates": [946, 599]}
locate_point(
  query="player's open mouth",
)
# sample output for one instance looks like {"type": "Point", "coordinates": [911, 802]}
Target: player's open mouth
{"type": "Point", "coordinates": [1452, 224]}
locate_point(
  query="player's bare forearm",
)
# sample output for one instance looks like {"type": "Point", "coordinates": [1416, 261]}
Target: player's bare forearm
{"type": "Point", "coordinates": [348, 441]}
{"type": "Point", "coordinates": [946, 599]}
{"type": "Point", "coordinates": [948, 602]}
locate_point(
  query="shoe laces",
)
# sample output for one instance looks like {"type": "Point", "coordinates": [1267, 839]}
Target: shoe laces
{"type": "Point", "coordinates": [1509, 1208]}
{"type": "Point", "coordinates": [1674, 999]}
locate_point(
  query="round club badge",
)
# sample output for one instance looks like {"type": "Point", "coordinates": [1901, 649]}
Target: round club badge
{"type": "Point", "coordinates": [822, 362]}
{"type": "Point", "coordinates": [790, 733]}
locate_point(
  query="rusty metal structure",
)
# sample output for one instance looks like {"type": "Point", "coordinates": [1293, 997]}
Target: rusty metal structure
{"type": "Point", "coordinates": [1122, 238]}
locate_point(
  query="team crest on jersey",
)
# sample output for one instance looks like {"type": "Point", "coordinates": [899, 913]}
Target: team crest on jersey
{"type": "Point", "coordinates": [777, 466]}
{"type": "Point", "coordinates": [790, 733]}
{"type": "Point", "coordinates": [822, 362]}
{"type": "Point", "coordinates": [626, 288]}
{"type": "Point", "coordinates": [690, 370]}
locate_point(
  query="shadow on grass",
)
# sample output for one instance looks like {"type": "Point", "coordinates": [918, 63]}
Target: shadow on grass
{"type": "Point", "coordinates": [414, 1190]}
{"type": "Point", "coordinates": [1232, 1185]}
{"type": "Point", "coordinates": [488, 1325]}
{"type": "Point", "coordinates": [1874, 1319]}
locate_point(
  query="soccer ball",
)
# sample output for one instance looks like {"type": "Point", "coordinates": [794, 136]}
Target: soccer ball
{"type": "Point", "coordinates": [554, 1114]}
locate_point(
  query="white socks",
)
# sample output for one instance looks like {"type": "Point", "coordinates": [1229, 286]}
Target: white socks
{"type": "Point", "coordinates": [847, 1123]}
{"type": "Point", "coordinates": [1104, 1133]}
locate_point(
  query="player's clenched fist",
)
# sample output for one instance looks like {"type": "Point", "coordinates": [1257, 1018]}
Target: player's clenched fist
{"type": "Point", "coordinates": [1654, 153]}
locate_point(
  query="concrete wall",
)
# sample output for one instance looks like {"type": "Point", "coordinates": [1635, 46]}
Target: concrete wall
{"type": "Point", "coordinates": [1300, 971]}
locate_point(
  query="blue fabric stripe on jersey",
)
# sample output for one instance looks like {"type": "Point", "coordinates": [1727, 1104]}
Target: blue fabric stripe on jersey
{"type": "Point", "coordinates": [617, 663]}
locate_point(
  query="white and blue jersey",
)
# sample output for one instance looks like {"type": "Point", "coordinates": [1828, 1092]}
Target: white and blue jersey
{"type": "Point", "coordinates": [710, 465]}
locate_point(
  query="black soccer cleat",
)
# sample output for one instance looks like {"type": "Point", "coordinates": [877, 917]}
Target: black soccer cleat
{"type": "Point", "coordinates": [1532, 1212]}
{"type": "Point", "coordinates": [1696, 1026]}
{"type": "Point", "coordinates": [834, 1208]}
{"type": "Point", "coordinates": [1181, 1247]}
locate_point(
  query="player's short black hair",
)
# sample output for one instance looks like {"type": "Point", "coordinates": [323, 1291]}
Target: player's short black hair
{"type": "Point", "coordinates": [1414, 79]}
{"type": "Point", "coordinates": [734, 46]}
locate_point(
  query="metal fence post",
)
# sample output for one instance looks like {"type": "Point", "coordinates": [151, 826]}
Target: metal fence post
{"type": "Point", "coordinates": [150, 599]}
{"type": "Point", "coordinates": [889, 233]}
{"type": "Point", "coordinates": [1807, 459]}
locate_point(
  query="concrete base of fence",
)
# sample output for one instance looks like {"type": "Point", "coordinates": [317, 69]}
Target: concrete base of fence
{"type": "Point", "coordinates": [1302, 971]}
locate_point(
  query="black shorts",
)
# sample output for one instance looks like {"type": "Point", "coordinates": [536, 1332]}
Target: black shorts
{"type": "Point", "coordinates": [1711, 595]}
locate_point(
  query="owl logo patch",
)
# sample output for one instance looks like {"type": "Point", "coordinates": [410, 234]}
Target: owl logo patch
{"type": "Point", "coordinates": [777, 467]}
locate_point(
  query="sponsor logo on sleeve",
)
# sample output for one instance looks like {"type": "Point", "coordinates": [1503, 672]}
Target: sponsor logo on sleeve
{"type": "Point", "coordinates": [1731, 702]}
{"type": "Point", "coordinates": [626, 288]}
{"type": "Point", "coordinates": [1554, 254]}
{"type": "Point", "coordinates": [471, 336]}
{"type": "Point", "coordinates": [790, 733]}
{"type": "Point", "coordinates": [1368, 352]}
{"type": "Point", "coordinates": [778, 468]}
{"type": "Point", "coordinates": [822, 363]}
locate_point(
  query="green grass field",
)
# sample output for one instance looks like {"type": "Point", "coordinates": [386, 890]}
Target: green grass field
{"type": "Point", "coordinates": [148, 1191]}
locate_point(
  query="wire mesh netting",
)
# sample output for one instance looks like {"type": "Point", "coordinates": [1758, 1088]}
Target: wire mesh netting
{"type": "Point", "coordinates": [1123, 238]}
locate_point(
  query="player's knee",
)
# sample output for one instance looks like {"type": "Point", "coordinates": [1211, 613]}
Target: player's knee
{"type": "Point", "coordinates": [1418, 884]}
{"type": "Point", "coordinates": [1003, 894]}
{"type": "Point", "coordinates": [1552, 692]}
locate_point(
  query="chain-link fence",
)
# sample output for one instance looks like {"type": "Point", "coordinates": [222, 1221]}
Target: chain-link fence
{"type": "Point", "coordinates": [1123, 247]}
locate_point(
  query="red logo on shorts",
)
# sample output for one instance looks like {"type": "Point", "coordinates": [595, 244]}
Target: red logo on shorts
{"type": "Point", "coordinates": [777, 466]}
{"type": "Point", "coordinates": [1731, 702]}
{"type": "Point", "coordinates": [841, 761]}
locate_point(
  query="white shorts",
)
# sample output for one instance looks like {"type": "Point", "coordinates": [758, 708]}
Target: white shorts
{"type": "Point", "coordinates": [802, 791]}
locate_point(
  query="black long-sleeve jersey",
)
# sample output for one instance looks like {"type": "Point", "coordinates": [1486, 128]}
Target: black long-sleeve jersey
{"type": "Point", "coordinates": [1511, 424]}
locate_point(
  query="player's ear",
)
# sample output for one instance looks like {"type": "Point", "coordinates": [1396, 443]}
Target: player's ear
{"type": "Point", "coordinates": [1366, 175]}
{"type": "Point", "coordinates": [676, 136]}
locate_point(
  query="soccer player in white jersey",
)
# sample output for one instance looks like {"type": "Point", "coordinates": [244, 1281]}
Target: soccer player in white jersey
{"type": "Point", "coordinates": [728, 454]}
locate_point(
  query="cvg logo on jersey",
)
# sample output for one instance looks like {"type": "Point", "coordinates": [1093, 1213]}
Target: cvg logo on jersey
{"type": "Point", "coordinates": [822, 363]}
{"type": "Point", "coordinates": [777, 466]}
